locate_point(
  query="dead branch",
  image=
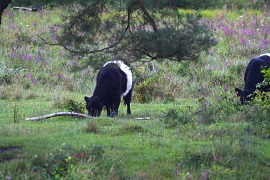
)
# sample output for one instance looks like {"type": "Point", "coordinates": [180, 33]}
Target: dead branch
{"type": "Point", "coordinates": [144, 118]}
{"type": "Point", "coordinates": [73, 114]}
{"type": "Point", "coordinates": [24, 8]}
{"type": "Point", "coordinates": [57, 114]}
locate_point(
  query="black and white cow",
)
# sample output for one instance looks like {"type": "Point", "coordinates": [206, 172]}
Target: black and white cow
{"type": "Point", "coordinates": [114, 80]}
{"type": "Point", "coordinates": [253, 76]}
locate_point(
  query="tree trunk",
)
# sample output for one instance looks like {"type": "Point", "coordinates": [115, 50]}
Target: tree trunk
{"type": "Point", "coordinates": [3, 5]}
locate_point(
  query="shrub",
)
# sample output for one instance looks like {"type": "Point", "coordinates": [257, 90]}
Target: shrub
{"type": "Point", "coordinates": [260, 120]}
{"type": "Point", "coordinates": [7, 74]}
{"type": "Point", "coordinates": [175, 117]}
{"type": "Point", "coordinates": [62, 163]}
{"type": "Point", "coordinates": [73, 106]}
{"type": "Point", "coordinates": [219, 111]}
{"type": "Point", "coordinates": [153, 83]}
{"type": "Point", "coordinates": [92, 127]}
{"type": "Point", "coordinates": [132, 128]}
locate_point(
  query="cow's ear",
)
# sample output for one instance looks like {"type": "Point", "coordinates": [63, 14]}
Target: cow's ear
{"type": "Point", "coordinates": [238, 91]}
{"type": "Point", "coordinates": [86, 98]}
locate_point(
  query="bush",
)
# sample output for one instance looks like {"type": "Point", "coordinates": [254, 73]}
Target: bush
{"type": "Point", "coordinates": [175, 117]}
{"type": "Point", "coordinates": [7, 75]}
{"type": "Point", "coordinates": [73, 106]}
{"type": "Point", "coordinates": [152, 82]}
{"type": "Point", "coordinates": [261, 121]}
{"type": "Point", "coordinates": [92, 127]}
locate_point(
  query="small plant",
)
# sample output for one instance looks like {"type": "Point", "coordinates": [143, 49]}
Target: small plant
{"type": "Point", "coordinates": [92, 127]}
{"type": "Point", "coordinates": [154, 84]}
{"type": "Point", "coordinates": [261, 121]}
{"type": "Point", "coordinates": [61, 163]}
{"type": "Point", "coordinates": [73, 106]}
{"type": "Point", "coordinates": [7, 74]}
{"type": "Point", "coordinates": [132, 128]}
{"type": "Point", "coordinates": [175, 117]}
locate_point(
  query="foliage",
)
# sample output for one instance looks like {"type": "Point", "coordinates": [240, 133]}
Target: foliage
{"type": "Point", "coordinates": [153, 83]}
{"type": "Point", "coordinates": [197, 129]}
{"type": "Point", "coordinates": [175, 117]}
{"type": "Point", "coordinates": [187, 4]}
{"type": "Point", "coordinates": [73, 106]}
{"type": "Point", "coordinates": [246, 36]}
{"type": "Point", "coordinates": [133, 34]}
{"type": "Point", "coordinates": [132, 128]}
{"type": "Point", "coordinates": [62, 162]}
{"type": "Point", "coordinates": [92, 127]}
{"type": "Point", "coordinates": [7, 75]}
{"type": "Point", "coordinates": [262, 100]}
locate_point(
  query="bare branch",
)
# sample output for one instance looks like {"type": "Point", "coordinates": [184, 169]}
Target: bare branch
{"type": "Point", "coordinates": [148, 16]}
{"type": "Point", "coordinates": [73, 114]}
{"type": "Point", "coordinates": [86, 52]}
{"type": "Point", "coordinates": [57, 114]}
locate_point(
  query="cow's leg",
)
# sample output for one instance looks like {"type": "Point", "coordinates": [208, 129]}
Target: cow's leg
{"type": "Point", "coordinates": [115, 108]}
{"type": "Point", "coordinates": [127, 100]}
{"type": "Point", "coordinates": [108, 111]}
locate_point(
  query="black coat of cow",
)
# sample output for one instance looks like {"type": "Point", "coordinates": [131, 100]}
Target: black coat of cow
{"type": "Point", "coordinates": [252, 77]}
{"type": "Point", "coordinates": [114, 80]}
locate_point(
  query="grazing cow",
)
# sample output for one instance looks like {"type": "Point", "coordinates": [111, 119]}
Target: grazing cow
{"type": "Point", "coordinates": [253, 76]}
{"type": "Point", "coordinates": [114, 80]}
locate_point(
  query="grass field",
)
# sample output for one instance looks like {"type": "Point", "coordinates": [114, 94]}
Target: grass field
{"type": "Point", "coordinates": [197, 129]}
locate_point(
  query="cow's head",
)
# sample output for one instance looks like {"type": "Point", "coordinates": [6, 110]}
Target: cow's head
{"type": "Point", "coordinates": [244, 95]}
{"type": "Point", "coordinates": [93, 106]}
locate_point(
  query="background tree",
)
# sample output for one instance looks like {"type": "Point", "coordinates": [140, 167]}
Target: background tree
{"type": "Point", "coordinates": [132, 30]}
{"type": "Point", "coordinates": [3, 5]}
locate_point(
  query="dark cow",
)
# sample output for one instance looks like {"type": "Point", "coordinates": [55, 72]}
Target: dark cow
{"type": "Point", "coordinates": [114, 80]}
{"type": "Point", "coordinates": [253, 76]}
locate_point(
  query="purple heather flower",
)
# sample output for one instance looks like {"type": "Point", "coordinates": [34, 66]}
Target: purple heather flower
{"type": "Point", "coordinates": [35, 23]}
{"type": "Point", "coordinates": [226, 87]}
{"type": "Point", "coordinates": [29, 76]}
{"type": "Point", "coordinates": [219, 82]}
{"type": "Point", "coordinates": [58, 76]}
{"type": "Point", "coordinates": [215, 40]}
{"type": "Point", "coordinates": [243, 40]}
{"type": "Point", "coordinates": [205, 175]}
{"type": "Point", "coordinates": [85, 72]}
{"type": "Point", "coordinates": [62, 53]}
{"type": "Point", "coordinates": [55, 38]}
{"type": "Point", "coordinates": [261, 46]}
{"type": "Point", "coordinates": [22, 58]}
{"type": "Point", "coordinates": [215, 158]}
{"type": "Point", "coordinates": [29, 57]}
{"type": "Point", "coordinates": [35, 81]}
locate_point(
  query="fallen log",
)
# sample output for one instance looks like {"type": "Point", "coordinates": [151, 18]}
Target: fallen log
{"type": "Point", "coordinates": [143, 118]}
{"type": "Point", "coordinates": [24, 8]}
{"type": "Point", "coordinates": [38, 118]}
{"type": "Point", "coordinates": [74, 114]}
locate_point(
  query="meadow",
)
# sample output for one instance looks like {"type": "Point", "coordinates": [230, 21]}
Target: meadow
{"type": "Point", "coordinates": [193, 127]}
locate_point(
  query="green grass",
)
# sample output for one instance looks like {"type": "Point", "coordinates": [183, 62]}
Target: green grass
{"type": "Point", "coordinates": [201, 133]}
{"type": "Point", "coordinates": [131, 148]}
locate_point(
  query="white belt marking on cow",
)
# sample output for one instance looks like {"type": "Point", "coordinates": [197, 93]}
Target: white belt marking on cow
{"type": "Point", "coordinates": [266, 54]}
{"type": "Point", "coordinates": [128, 73]}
